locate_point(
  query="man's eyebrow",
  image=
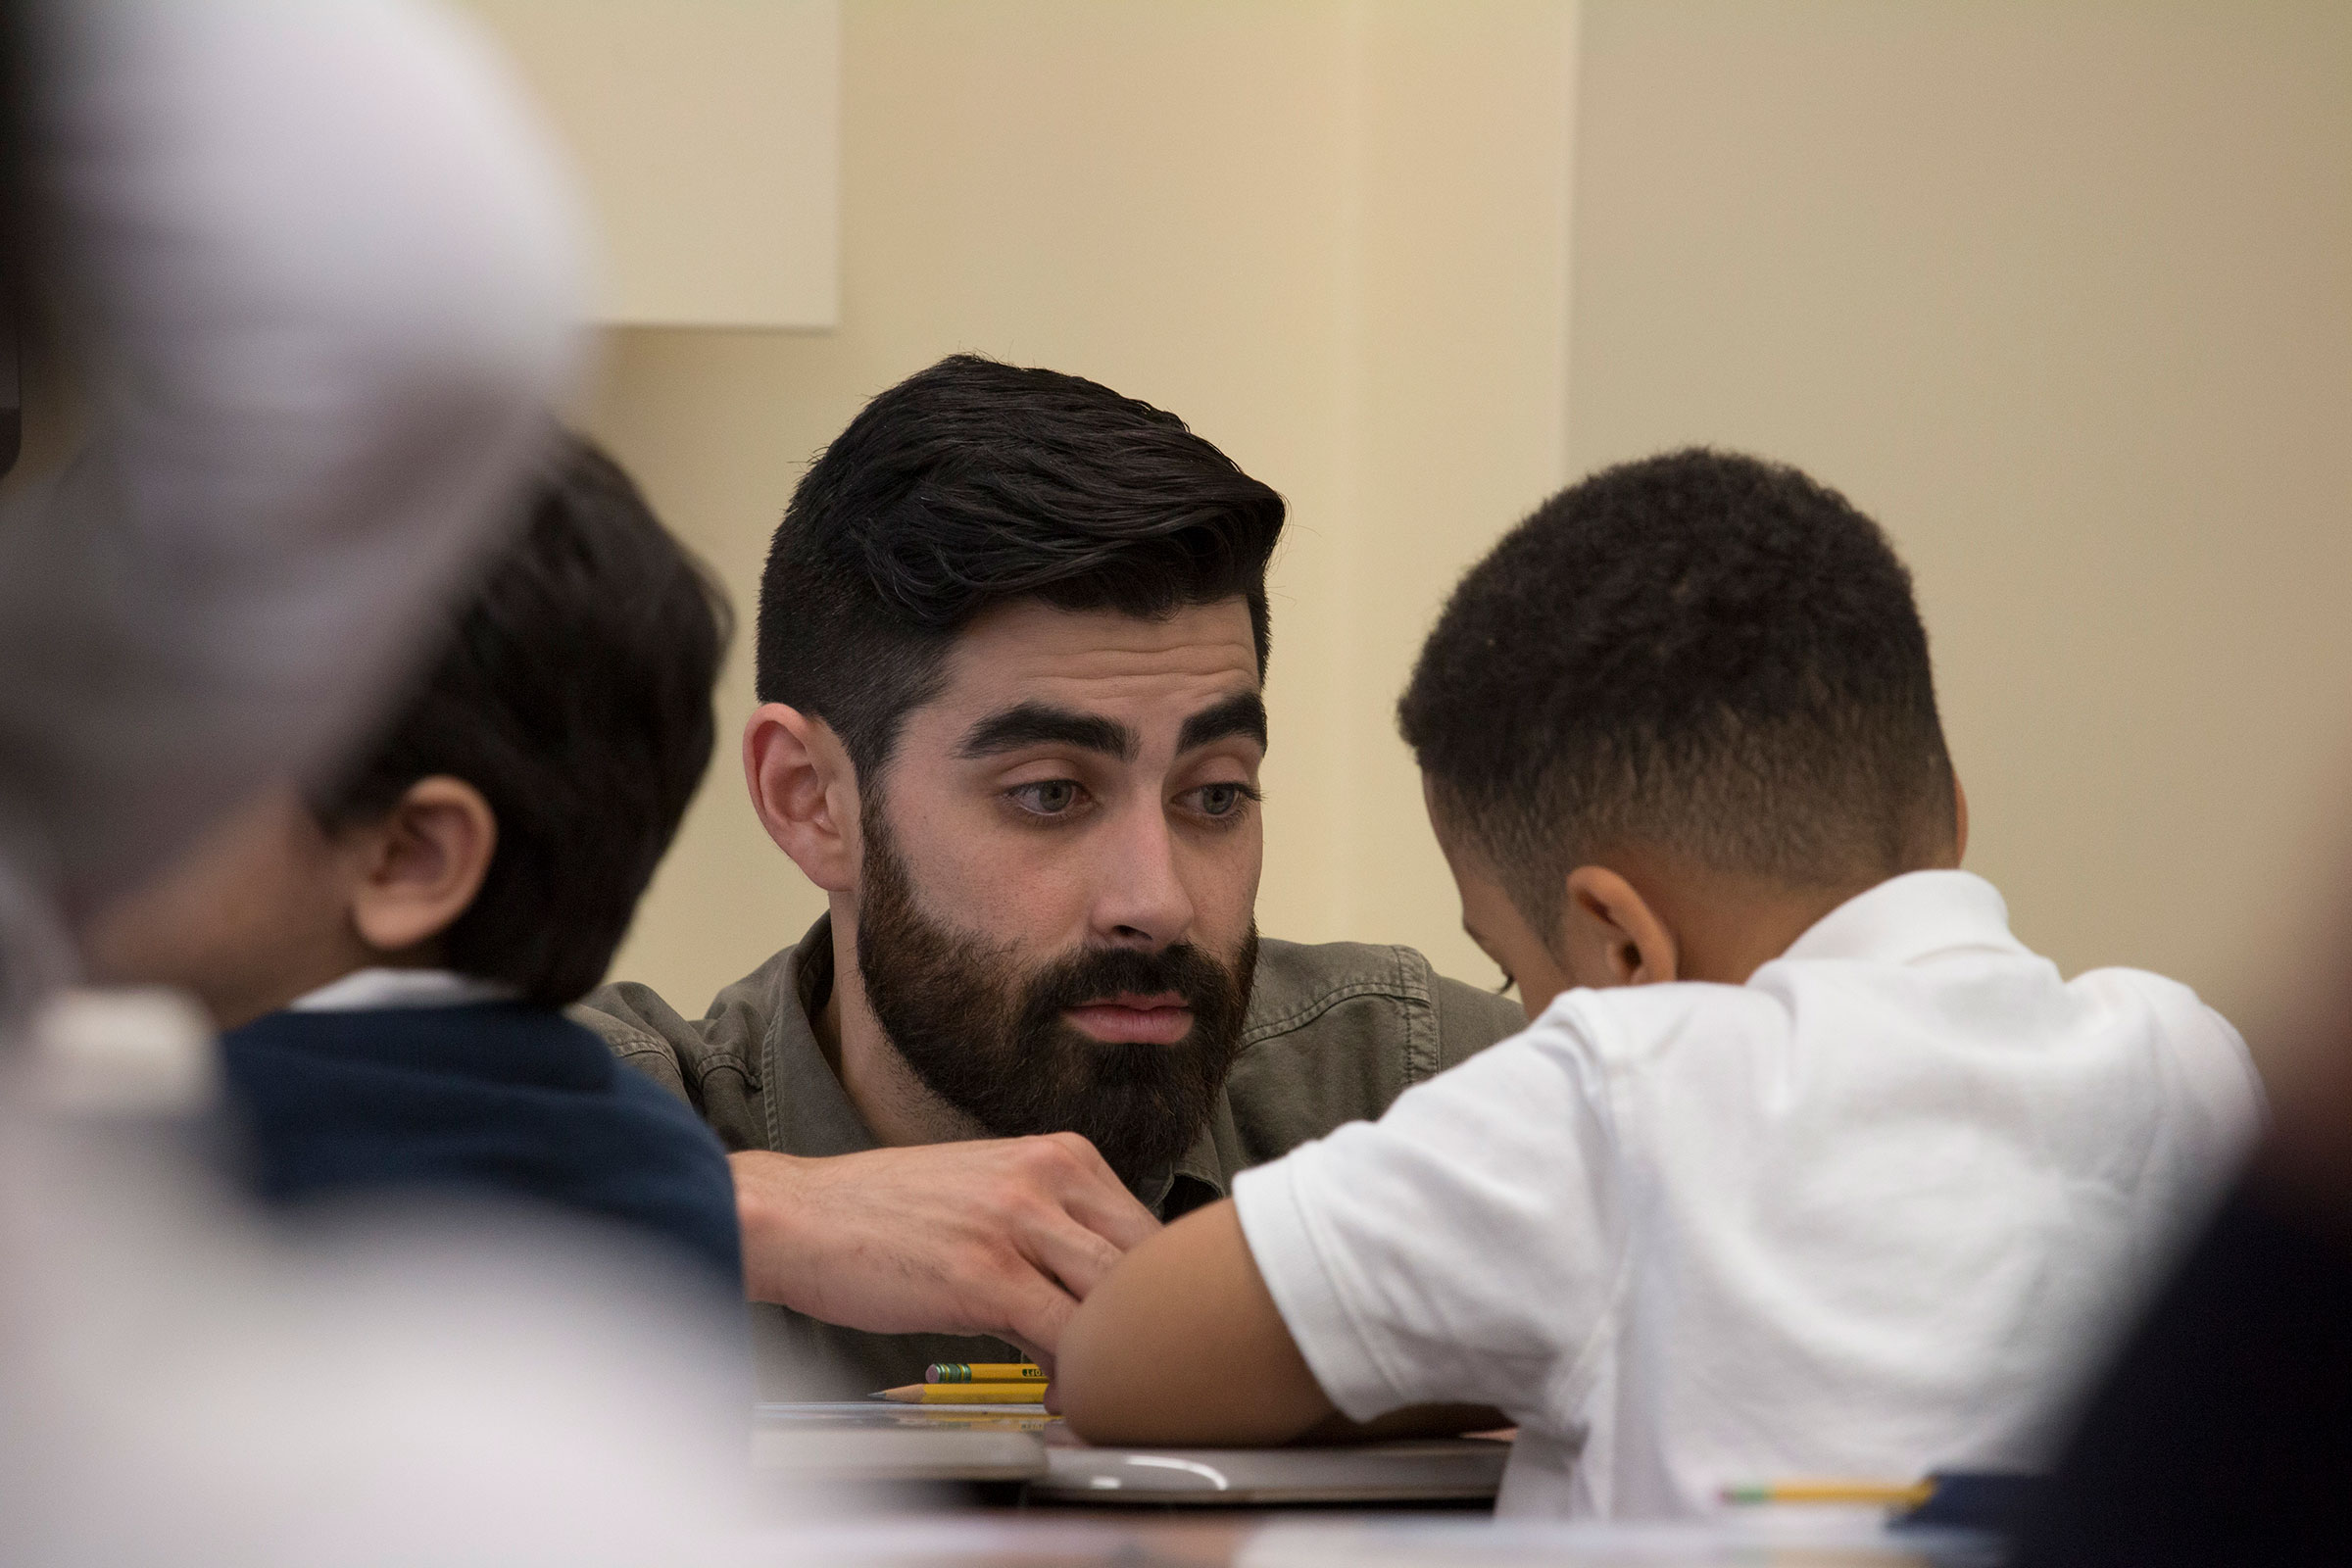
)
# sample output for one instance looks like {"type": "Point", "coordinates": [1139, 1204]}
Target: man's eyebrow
{"type": "Point", "coordinates": [1037, 724]}
{"type": "Point", "coordinates": [1242, 713]}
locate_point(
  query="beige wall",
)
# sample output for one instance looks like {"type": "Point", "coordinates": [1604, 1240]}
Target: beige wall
{"type": "Point", "coordinates": [708, 137]}
{"type": "Point", "coordinates": [1332, 236]}
{"type": "Point", "coordinates": [2063, 295]}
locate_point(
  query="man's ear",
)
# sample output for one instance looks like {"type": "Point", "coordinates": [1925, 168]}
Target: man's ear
{"type": "Point", "coordinates": [420, 864]}
{"type": "Point", "coordinates": [805, 789]}
{"type": "Point", "coordinates": [1609, 933]}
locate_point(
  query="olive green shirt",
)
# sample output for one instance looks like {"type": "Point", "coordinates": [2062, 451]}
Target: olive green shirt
{"type": "Point", "coordinates": [1334, 1033]}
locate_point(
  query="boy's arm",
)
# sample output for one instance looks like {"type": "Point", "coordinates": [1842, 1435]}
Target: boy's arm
{"type": "Point", "coordinates": [1465, 1247]}
{"type": "Point", "coordinates": [1183, 1344]}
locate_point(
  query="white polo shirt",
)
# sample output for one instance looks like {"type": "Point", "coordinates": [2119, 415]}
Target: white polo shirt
{"type": "Point", "coordinates": [1872, 1213]}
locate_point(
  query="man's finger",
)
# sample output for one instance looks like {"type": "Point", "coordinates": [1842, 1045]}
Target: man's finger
{"type": "Point", "coordinates": [1038, 1315]}
{"type": "Point", "coordinates": [1073, 1253]}
{"type": "Point", "coordinates": [1096, 1196]}
{"type": "Point", "coordinates": [1115, 1216]}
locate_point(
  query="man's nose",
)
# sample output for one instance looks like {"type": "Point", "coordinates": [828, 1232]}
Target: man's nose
{"type": "Point", "coordinates": [1142, 900]}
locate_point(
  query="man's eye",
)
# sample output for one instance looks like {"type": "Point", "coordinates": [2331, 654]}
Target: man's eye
{"type": "Point", "coordinates": [1224, 800]}
{"type": "Point", "coordinates": [1052, 798]}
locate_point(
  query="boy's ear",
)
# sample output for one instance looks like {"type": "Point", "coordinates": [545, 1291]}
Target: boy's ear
{"type": "Point", "coordinates": [1610, 936]}
{"type": "Point", "coordinates": [420, 864]}
{"type": "Point", "coordinates": [805, 789]}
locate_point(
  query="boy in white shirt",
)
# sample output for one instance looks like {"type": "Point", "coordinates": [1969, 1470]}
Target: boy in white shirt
{"type": "Point", "coordinates": [1805, 1165]}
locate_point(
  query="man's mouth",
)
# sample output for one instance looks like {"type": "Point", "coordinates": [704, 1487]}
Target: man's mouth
{"type": "Point", "coordinates": [1161, 1019]}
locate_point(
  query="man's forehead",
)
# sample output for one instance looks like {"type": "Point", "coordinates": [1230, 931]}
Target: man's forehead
{"type": "Point", "coordinates": [1032, 650]}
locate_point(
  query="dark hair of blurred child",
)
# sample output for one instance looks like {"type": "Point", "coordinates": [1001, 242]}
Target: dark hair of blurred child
{"type": "Point", "coordinates": [390, 953]}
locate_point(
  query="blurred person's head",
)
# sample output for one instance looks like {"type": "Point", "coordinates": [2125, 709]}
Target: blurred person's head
{"type": "Point", "coordinates": [1013, 635]}
{"type": "Point", "coordinates": [1677, 715]}
{"type": "Point", "coordinates": [504, 822]}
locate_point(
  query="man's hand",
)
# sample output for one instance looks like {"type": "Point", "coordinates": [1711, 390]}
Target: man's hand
{"type": "Point", "coordinates": [1003, 1237]}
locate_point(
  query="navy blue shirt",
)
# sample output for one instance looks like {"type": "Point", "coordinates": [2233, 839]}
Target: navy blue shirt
{"type": "Point", "coordinates": [498, 1096]}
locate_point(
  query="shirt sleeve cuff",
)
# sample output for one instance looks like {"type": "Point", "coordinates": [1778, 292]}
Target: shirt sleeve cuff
{"type": "Point", "coordinates": [1282, 1243]}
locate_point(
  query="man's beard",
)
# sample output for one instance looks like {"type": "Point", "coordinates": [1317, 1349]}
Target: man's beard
{"type": "Point", "coordinates": [990, 1039]}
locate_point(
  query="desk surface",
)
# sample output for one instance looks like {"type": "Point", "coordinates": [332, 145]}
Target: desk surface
{"type": "Point", "coordinates": [838, 1445]}
{"type": "Point", "coordinates": [831, 1457]}
{"type": "Point", "coordinates": [1077, 1538]}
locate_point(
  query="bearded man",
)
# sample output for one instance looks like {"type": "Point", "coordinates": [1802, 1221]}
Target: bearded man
{"type": "Point", "coordinates": [1013, 635]}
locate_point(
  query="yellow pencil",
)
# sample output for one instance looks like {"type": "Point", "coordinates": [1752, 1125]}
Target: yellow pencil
{"type": "Point", "coordinates": [966, 1394]}
{"type": "Point", "coordinates": [985, 1372]}
{"type": "Point", "coordinates": [1888, 1493]}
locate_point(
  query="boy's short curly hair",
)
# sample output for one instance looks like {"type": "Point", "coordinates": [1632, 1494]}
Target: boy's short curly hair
{"type": "Point", "coordinates": [1699, 652]}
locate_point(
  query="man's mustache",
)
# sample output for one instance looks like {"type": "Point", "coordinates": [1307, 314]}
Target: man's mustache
{"type": "Point", "coordinates": [1095, 974]}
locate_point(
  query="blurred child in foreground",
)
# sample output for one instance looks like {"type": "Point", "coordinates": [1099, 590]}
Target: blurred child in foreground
{"type": "Point", "coordinates": [1806, 1166]}
{"type": "Point", "coordinates": [2222, 1433]}
{"type": "Point", "coordinates": [390, 956]}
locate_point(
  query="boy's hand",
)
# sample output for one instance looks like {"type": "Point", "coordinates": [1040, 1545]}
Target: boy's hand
{"type": "Point", "coordinates": [1001, 1236]}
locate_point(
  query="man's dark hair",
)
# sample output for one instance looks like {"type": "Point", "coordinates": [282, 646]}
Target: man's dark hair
{"type": "Point", "coordinates": [973, 484]}
{"type": "Point", "coordinates": [1700, 652]}
{"type": "Point", "coordinates": [573, 691]}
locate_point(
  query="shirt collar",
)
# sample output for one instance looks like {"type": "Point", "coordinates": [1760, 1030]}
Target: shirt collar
{"type": "Point", "coordinates": [1199, 1176]}
{"type": "Point", "coordinates": [1917, 915]}
{"type": "Point", "coordinates": [808, 1111]}
{"type": "Point", "coordinates": [816, 1116]}
{"type": "Point", "coordinates": [368, 989]}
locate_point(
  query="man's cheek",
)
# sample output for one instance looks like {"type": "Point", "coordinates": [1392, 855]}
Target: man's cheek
{"type": "Point", "coordinates": [960, 862]}
{"type": "Point", "coordinates": [1014, 891]}
{"type": "Point", "coordinates": [1228, 894]}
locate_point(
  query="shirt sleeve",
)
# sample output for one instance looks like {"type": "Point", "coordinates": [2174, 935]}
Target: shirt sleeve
{"type": "Point", "coordinates": [1470, 1020]}
{"type": "Point", "coordinates": [708, 1062]}
{"type": "Point", "coordinates": [1461, 1249]}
